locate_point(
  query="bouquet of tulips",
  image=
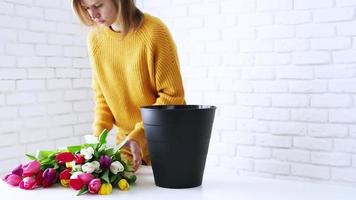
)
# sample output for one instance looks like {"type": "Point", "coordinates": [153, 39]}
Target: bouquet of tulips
{"type": "Point", "coordinates": [89, 168]}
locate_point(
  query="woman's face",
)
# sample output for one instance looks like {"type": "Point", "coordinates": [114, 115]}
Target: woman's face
{"type": "Point", "coordinates": [101, 11]}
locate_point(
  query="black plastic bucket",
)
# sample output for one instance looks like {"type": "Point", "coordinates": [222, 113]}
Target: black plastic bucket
{"type": "Point", "coordinates": [178, 141]}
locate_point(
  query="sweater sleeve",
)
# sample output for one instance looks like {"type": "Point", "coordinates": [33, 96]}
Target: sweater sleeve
{"type": "Point", "coordinates": [103, 117]}
{"type": "Point", "coordinates": [168, 80]}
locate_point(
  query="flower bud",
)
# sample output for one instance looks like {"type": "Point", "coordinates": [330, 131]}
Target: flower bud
{"type": "Point", "coordinates": [105, 161]}
{"type": "Point", "coordinates": [116, 167]}
{"type": "Point", "coordinates": [28, 183]}
{"type": "Point", "coordinates": [123, 185]}
{"type": "Point", "coordinates": [106, 188]}
{"type": "Point", "coordinates": [31, 168]}
{"type": "Point", "coordinates": [49, 177]}
{"type": "Point", "coordinates": [86, 178]}
{"type": "Point", "coordinates": [18, 170]}
{"type": "Point", "coordinates": [12, 179]}
{"type": "Point", "coordinates": [65, 157]}
{"type": "Point", "coordinates": [94, 186]}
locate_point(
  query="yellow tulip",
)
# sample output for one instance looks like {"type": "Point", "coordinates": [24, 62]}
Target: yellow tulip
{"type": "Point", "coordinates": [65, 182]}
{"type": "Point", "coordinates": [123, 185]}
{"type": "Point", "coordinates": [70, 164]}
{"type": "Point", "coordinates": [105, 188]}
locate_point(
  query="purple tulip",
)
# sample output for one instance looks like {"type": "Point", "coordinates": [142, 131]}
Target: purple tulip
{"type": "Point", "coordinates": [94, 185]}
{"type": "Point", "coordinates": [12, 179]}
{"type": "Point", "coordinates": [31, 168]}
{"type": "Point", "coordinates": [28, 183]}
{"type": "Point", "coordinates": [105, 162]}
{"type": "Point", "coordinates": [49, 177]}
{"type": "Point", "coordinates": [18, 170]}
{"type": "Point", "coordinates": [85, 178]}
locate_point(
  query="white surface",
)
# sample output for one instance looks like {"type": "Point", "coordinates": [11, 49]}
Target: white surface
{"type": "Point", "coordinates": [217, 185]}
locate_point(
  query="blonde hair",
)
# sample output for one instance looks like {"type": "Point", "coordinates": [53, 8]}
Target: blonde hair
{"type": "Point", "coordinates": [129, 16]}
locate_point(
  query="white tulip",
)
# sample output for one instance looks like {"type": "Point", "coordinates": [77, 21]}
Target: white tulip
{"type": "Point", "coordinates": [90, 167]}
{"type": "Point", "coordinates": [116, 167]}
{"type": "Point", "coordinates": [87, 153]}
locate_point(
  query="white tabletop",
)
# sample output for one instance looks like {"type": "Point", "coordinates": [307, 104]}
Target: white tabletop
{"type": "Point", "coordinates": [217, 185]}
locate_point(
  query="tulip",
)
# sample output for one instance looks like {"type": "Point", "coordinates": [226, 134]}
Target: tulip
{"type": "Point", "coordinates": [123, 185]}
{"type": "Point", "coordinates": [79, 159]}
{"type": "Point", "coordinates": [65, 174]}
{"type": "Point", "coordinates": [76, 184]}
{"type": "Point", "coordinates": [87, 153]}
{"type": "Point", "coordinates": [65, 182]}
{"type": "Point", "coordinates": [39, 178]}
{"type": "Point", "coordinates": [90, 167]}
{"type": "Point", "coordinates": [12, 179]}
{"type": "Point", "coordinates": [49, 177]}
{"type": "Point", "coordinates": [85, 178]}
{"type": "Point", "coordinates": [28, 183]}
{"type": "Point", "coordinates": [18, 170]}
{"type": "Point", "coordinates": [106, 188]}
{"type": "Point", "coordinates": [31, 168]}
{"type": "Point", "coordinates": [65, 157]}
{"type": "Point", "coordinates": [116, 167]}
{"type": "Point", "coordinates": [105, 161]}
{"type": "Point", "coordinates": [94, 185]}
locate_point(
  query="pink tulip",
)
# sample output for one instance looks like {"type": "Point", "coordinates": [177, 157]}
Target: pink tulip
{"type": "Point", "coordinates": [31, 168]}
{"type": "Point", "coordinates": [49, 177]}
{"type": "Point", "coordinates": [18, 170]}
{"type": "Point", "coordinates": [28, 183]}
{"type": "Point", "coordinates": [85, 178]}
{"type": "Point", "coordinates": [12, 179]}
{"type": "Point", "coordinates": [94, 186]}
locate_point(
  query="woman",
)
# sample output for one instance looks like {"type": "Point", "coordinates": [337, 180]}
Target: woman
{"type": "Point", "coordinates": [134, 62]}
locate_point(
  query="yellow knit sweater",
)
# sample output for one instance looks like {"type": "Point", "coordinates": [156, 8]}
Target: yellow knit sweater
{"type": "Point", "coordinates": [131, 71]}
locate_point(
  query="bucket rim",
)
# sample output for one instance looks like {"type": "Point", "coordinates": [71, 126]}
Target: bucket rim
{"type": "Point", "coordinates": [178, 107]}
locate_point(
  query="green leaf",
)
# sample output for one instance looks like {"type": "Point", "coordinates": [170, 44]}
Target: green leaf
{"type": "Point", "coordinates": [105, 176]}
{"type": "Point", "coordinates": [74, 149]}
{"type": "Point", "coordinates": [110, 152]}
{"type": "Point", "coordinates": [31, 157]}
{"type": "Point", "coordinates": [103, 135]}
{"type": "Point", "coordinates": [45, 154]}
{"type": "Point", "coordinates": [84, 190]}
{"type": "Point", "coordinates": [56, 166]}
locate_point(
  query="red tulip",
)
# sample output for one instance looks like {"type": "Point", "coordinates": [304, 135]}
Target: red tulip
{"type": "Point", "coordinates": [31, 168]}
{"type": "Point", "coordinates": [65, 157]}
{"type": "Point", "coordinates": [28, 183]}
{"type": "Point", "coordinates": [49, 177]}
{"type": "Point", "coordinates": [79, 159]}
{"type": "Point", "coordinates": [39, 178]}
{"type": "Point", "coordinates": [94, 186]}
{"type": "Point", "coordinates": [76, 184]}
{"type": "Point", "coordinates": [65, 174]}
{"type": "Point", "coordinates": [85, 178]}
{"type": "Point", "coordinates": [12, 179]}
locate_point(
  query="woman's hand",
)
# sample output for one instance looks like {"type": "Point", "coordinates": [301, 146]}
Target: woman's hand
{"type": "Point", "coordinates": [136, 153]}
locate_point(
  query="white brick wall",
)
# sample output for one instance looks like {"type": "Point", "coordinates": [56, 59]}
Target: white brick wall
{"type": "Point", "coordinates": [42, 94]}
{"type": "Point", "coordinates": [282, 73]}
